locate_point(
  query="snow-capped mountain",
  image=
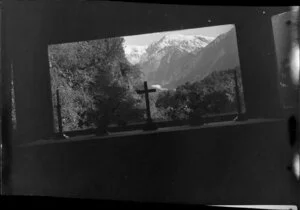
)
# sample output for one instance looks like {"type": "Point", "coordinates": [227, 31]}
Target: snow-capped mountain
{"type": "Point", "coordinates": [187, 43]}
{"type": "Point", "coordinates": [220, 54]}
{"type": "Point", "coordinates": [176, 59]}
{"type": "Point", "coordinates": [134, 52]}
{"type": "Point", "coordinates": [168, 49]}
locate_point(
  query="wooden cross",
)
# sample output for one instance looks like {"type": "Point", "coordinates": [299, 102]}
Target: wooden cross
{"type": "Point", "coordinates": [146, 91]}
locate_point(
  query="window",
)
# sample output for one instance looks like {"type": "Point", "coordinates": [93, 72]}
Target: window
{"type": "Point", "coordinates": [169, 78]}
{"type": "Point", "coordinates": [287, 52]}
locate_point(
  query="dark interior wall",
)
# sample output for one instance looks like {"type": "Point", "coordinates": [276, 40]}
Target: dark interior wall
{"type": "Point", "coordinates": [259, 66]}
{"type": "Point", "coordinates": [31, 26]}
{"type": "Point", "coordinates": [28, 57]}
{"type": "Point", "coordinates": [243, 164]}
{"type": "Point", "coordinates": [100, 20]}
{"type": "Point", "coordinates": [282, 35]}
{"type": "Point", "coordinates": [232, 165]}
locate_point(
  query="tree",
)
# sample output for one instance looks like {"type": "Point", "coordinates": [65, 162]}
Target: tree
{"type": "Point", "coordinates": [214, 94]}
{"type": "Point", "coordinates": [96, 83]}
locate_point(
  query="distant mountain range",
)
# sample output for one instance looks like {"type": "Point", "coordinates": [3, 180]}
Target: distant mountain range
{"type": "Point", "coordinates": [176, 59]}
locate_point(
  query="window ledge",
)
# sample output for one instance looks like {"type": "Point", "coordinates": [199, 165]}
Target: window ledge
{"type": "Point", "coordinates": [159, 130]}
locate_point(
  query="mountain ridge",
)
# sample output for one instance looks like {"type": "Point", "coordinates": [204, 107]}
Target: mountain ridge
{"type": "Point", "coordinates": [175, 58]}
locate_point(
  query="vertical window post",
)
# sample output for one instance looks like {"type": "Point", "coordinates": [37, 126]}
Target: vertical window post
{"type": "Point", "coordinates": [149, 125]}
{"type": "Point", "coordinates": [240, 116]}
{"type": "Point", "coordinates": [58, 108]}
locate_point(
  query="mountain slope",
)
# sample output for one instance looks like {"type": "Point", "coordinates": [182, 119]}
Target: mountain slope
{"type": "Point", "coordinates": [220, 54]}
{"type": "Point", "coordinates": [167, 53]}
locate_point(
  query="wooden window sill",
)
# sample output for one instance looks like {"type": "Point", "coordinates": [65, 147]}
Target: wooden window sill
{"type": "Point", "coordinates": [158, 131]}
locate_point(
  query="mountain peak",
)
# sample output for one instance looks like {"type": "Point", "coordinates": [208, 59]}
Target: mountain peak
{"type": "Point", "coordinates": [157, 49]}
{"type": "Point", "coordinates": [183, 37]}
{"type": "Point", "coordinates": [186, 43]}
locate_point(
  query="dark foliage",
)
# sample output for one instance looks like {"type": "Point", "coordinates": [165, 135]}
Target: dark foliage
{"type": "Point", "coordinates": [96, 83]}
{"type": "Point", "coordinates": [213, 95]}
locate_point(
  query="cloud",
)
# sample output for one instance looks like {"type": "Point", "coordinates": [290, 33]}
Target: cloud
{"type": "Point", "coordinates": [158, 87]}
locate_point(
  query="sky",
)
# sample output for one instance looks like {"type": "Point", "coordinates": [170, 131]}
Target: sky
{"type": "Point", "coordinates": [147, 39]}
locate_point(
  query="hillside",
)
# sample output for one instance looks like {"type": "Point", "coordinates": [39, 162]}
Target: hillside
{"type": "Point", "coordinates": [220, 54]}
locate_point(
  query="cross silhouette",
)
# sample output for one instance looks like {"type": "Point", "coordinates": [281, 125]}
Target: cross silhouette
{"type": "Point", "coordinates": [146, 91]}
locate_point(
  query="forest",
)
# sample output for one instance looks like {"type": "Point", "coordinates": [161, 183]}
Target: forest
{"type": "Point", "coordinates": [97, 87]}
